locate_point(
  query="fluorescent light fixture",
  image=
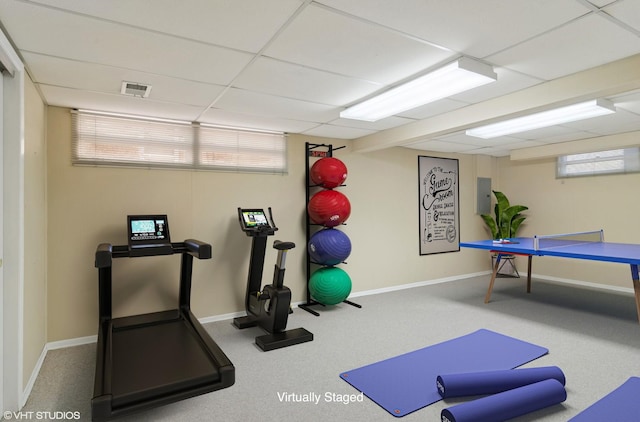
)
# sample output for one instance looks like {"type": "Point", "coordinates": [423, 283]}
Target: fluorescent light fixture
{"type": "Point", "coordinates": [456, 77]}
{"type": "Point", "coordinates": [557, 116]}
{"type": "Point", "coordinates": [131, 116]}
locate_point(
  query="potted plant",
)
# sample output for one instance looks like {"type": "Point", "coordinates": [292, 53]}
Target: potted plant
{"type": "Point", "coordinates": [507, 217]}
{"type": "Point", "coordinates": [505, 225]}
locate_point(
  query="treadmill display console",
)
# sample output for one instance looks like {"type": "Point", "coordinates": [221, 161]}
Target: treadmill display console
{"type": "Point", "coordinates": [147, 231]}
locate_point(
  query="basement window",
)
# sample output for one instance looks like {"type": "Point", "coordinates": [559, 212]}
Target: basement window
{"type": "Point", "coordinates": [625, 160]}
{"type": "Point", "coordinates": [103, 139]}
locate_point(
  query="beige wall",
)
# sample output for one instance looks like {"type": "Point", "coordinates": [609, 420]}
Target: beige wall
{"type": "Point", "coordinates": [88, 205]}
{"type": "Point", "coordinates": [574, 205]}
{"type": "Point", "coordinates": [383, 189]}
{"type": "Point", "coordinates": [35, 229]}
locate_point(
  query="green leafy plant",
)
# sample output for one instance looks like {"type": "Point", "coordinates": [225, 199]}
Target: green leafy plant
{"type": "Point", "coordinates": [507, 217]}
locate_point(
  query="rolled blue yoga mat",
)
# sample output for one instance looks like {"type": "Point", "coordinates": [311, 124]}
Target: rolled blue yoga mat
{"type": "Point", "coordinates": [508, 404]}
{"type": "Point", "coordinates": [491, 382]}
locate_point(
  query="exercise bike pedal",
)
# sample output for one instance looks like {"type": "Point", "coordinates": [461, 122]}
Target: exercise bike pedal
{"type": "Point", "coordinates": [263, 295]}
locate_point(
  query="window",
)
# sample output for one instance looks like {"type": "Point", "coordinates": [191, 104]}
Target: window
{"type": "Point", "coordinates": [625, 160]}
{"type": "Point", "coordinates": [114, 140]}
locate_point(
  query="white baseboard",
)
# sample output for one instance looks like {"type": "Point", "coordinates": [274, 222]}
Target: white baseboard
{"type": "Point", "coordinates": [51, 346]}
{"type": "Point", "coordinates": [78, 341]}
{"type": "Point", "coordinates": [584, 284]}
{"type": "Point", "coordinates": [417, 284]}
{"type": "Point", "coordinates": [32, 379]}
{"type": "Point", "coordinates": [223, 317]}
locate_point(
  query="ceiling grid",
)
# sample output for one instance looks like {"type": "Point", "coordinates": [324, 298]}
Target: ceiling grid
{"type": "Point", "coordinates": [294, 65]}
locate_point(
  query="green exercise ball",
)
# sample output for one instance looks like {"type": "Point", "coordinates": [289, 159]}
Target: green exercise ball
{"type": "Point", "coordinates": [330, 285]}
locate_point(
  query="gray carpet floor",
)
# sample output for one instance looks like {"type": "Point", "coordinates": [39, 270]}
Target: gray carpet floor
{"type": "Point", "coordinates": [592, 335]}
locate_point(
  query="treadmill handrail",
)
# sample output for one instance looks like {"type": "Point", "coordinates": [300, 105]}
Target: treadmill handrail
{"type": "Point", "coordinates": [103, 255]}
{"type": "Point", "coordinates": [105, 252]}
{"type": "Point", "coordinates": [200, 250]}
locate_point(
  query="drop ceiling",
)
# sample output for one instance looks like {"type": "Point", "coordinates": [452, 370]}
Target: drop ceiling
{"type": "Point", "coordinates": [293, 65]}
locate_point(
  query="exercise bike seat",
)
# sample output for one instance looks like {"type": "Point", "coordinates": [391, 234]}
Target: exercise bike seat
{"type": "Point", "coordinates": [283, 246]}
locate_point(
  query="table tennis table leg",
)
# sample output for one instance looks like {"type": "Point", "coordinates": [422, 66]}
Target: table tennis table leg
{"type": "Point", "coordinates": [496, 266]}
{"type": "Point", "coordinates": [530, 258]}
{"type": "Point", "coordinates": [636, 287]}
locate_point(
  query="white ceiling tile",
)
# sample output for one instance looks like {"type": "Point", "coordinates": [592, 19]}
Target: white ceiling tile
{"type": "Point", "coordinates": [621, 121]}
{"type": "Point", "coordinates": [107, 79]}
{"type": "Point", "coordinates": [325, 55]}
{"type": "Point", "coordinates": [494, 152]}
{"type": "Point", "coordinates": [248, 102]}
{"type": "Point", "coordinates": [72, 98]}
{"type": "Point", "coordinates": [476, 28]}
{"type": "Point", "coordinates": [547, 133]}
{"type": "Point", "coordinates": [518, 145]}
{"type": "Point", "coordinates": [629, 102]}
{"type": "Point", "coordinates": [382, 124]}
{"type": "Point", "coordinates": [626, 11]}
{"type": "Point", "coordinates": [601, 3]}
{"type": "Point", "coordinates": [502, 150]}
{"type": "Point", "coordinates": [565, 135]}
{"type": "Point", "coordinates": [440, 146]}
{"type": "Point", "coordinates": [246, 25]}
{"type": "Point", "coordinates": [329, 41]}
{"type": "Point", "coordinates": [338, 132]}
{"type": "Point", "coordinates": [462, 138]}
{"type": "Point", "coordinates": [242, 120]}
{"type": "Point", "coordinates": [93, 40]}
{"type": "Point", "coordinates": [581, 44]}
{"type": "Point", "coordinates": [292, 81]}
{"type": "Point", "coordinates": [433, 109]}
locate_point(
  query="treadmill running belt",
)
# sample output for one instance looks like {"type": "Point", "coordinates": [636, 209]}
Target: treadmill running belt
{"type": "Point", "coordinates": [155, 359]}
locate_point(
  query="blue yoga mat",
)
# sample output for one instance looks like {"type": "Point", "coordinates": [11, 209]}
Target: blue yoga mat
{"type": "Point", "coordinates": [621, 405]}
{"type": "Point", "coordinates": [508, 404]}
{"type": "Point", "coordinates": [491, 382]}
{"type": "Point", "coordinates": [406, 383]}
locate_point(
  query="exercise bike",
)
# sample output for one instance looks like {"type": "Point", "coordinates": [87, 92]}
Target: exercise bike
{"type": "Point", "coordinates": [269, 307]}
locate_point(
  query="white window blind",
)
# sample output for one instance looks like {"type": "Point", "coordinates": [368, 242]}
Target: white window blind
{"type": "Point", "coordinates": [249, 151]}
{"type": "Point", "coordinates": [103, 139]}
{"type": "Point", "coordinates": [624, 160]}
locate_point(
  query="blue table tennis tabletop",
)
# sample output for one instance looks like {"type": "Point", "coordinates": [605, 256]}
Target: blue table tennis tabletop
{"type": "Point", "coordinates": [624, 253]}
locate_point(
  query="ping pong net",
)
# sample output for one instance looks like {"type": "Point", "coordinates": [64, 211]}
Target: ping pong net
{"type": "Point", "coordinates": [569, 239]}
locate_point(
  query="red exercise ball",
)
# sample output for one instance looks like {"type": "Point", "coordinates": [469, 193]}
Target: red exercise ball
{"type": "Point", "coordinates": [329, 208]}
{"type": "Point", "coordinates": [328, 172]}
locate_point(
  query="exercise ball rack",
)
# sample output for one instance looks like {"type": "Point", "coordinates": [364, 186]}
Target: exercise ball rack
{"type": "Point", "coordinates": [313, 151]}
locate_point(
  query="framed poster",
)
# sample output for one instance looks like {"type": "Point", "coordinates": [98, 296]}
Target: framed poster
{"type": "Point", "coordinates": [438, 205]}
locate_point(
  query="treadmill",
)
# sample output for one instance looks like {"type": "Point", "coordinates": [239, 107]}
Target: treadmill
{"type": "Point", "coordinates": [149, 360]}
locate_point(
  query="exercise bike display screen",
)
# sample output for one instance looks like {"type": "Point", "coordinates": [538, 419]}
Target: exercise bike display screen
{"type": "Point", "coordinates": [148, 230]}
{"type": "Point", "coordinates": [254, 218]}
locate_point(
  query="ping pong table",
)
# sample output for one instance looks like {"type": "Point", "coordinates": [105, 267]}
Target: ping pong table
{"type": "Point", "coordinates": [583, 245]}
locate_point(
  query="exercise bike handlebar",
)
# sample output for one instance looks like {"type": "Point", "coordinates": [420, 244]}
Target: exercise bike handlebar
{"type": "Point", "coordinates": [273, 224]}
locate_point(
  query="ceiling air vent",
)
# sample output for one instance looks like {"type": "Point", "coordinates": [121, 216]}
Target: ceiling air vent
{"type": "Point", "coordinates": [135, 89]}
